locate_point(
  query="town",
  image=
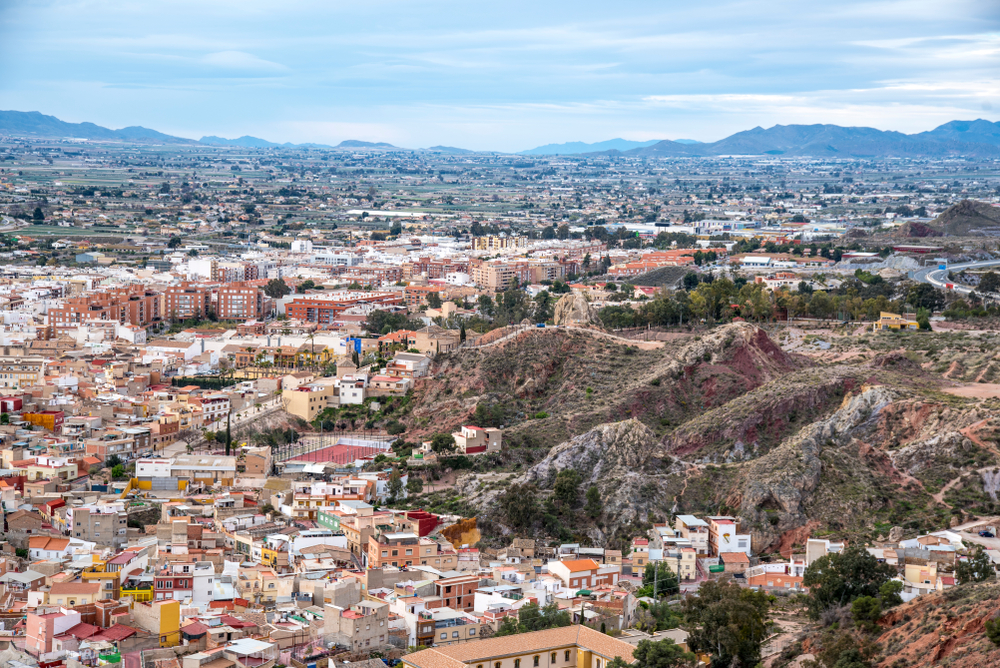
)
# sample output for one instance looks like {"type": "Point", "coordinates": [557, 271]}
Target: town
{"type": "Point", "coordinates": [302, 407]}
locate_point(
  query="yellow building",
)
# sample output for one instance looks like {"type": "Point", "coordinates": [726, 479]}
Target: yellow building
{"type": "Point", "coordinates": [307, 401]}
{"type": "Point", "coordinates": [888, 320]}
{"type": "Point", "coordinates": [566, 647]}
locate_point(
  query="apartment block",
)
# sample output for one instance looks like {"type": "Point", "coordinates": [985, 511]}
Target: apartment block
{"type": "Point", "coordinates": [185, 301]}
{"type": "Point", "coordinates": [17, 372]}
{"type": "Point", "coordinates": [239, 301]}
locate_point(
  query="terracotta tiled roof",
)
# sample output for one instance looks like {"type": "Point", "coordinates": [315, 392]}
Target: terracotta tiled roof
{"type": "Point", "coordinates": [74, 588]}
{"type": "Point", "coordinates": [47, 543]}
{"type": "Point", "coordinates": [457, 656]}
{"type": "Point", "coordinates": [575, 565]}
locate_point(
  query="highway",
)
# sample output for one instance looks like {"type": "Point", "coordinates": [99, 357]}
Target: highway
{"type": "Point", "coordinates": [939, 277]}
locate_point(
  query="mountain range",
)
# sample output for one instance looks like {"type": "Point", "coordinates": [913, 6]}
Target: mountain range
{"type": "Point", "coordinates": [979, 138]}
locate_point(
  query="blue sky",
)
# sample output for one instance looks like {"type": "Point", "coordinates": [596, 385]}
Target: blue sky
{"type": "Point", "coordinates": [504, 76]}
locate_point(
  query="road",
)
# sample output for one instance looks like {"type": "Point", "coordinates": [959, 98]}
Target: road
{"type": "Point", "coordinates": [939, 277]}
{"type": "Point", "coordinates": [252, 413]}
{"type": "Point", "coordinates": [975, 538]}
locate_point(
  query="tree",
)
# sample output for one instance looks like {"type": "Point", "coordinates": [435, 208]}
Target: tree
{"type": "Point", "coordinates": [975, 568]}
{"type": "Point", "coordinates": [461, 333]}
{"type": "Point", "coordinates": [117, 471]}
{"type": "Point", "coordinates": [924, 295]}
{"type": "Point", "coordinates": [508, 627]}
{"type": "Point", "coordinates": [889, 594]}
{"type": "Point", "coordinates": [866, 611]}
{"type": "Point", "coordinates": [729, 622]}
{"type": "Point", "coordinates": [567, 487]}
{"type": "Point", "coordinates": [838, 579]}
{"type": "Point", "coordinates": [443, 443]}
{"type": "Point", "coordinates": [659, 580]}
{"type": "Point", "coordinates": [4, 418]}
{"type": "Point", "coordinates": [992, 629]}
{"type": "Point", "coordinates": [174, 242]}
{"type": "Point", "coordinates": [112, 461]}
{"type": "Point", "coordinates": [532, 617]}
{"type": "Point", "coordinates": [434, 299]}
{"type": "Point", "coordinates": [38, 215]}
{"type": "Point", "coordinates": [662, 654]}
{"type": "Point", "coordinates": [396, 229]}
{"type": "Point", "coordinates": [414, 485]}
{"type": "Point", "coordinates": [305, 285]}
{"type": "Point", "coordinates": [395, 486]}
{"type": "Point", "coordinates": [276, 288]}
{"type": "Point", "coordinates": [594, 505]}
{"type": "Point", "coordinates": [990, 282]}
{"type": "Point", "coordinates": [519, 505]}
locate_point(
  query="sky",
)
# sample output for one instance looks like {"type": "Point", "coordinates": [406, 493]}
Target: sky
{"type": "Point", "coordinates": [504, 76]}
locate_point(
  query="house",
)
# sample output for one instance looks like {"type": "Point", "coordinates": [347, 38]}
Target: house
{"type": "Point", "coordinates": [566, 647]}
{"type": "Point", "coordinates": [363, 627]}
{"type": "Point", "coordinates": [477, 440]}
{"type": "Point", "coordinates": [734, 562]}
{"type": "Point", "coordinates": [888, 320]}
{"type": "Point", "coordinates": [694, 530]}
{"type": "Point", "coordinates": [584, 574]}
{"type": "Point", "coordinates": [72, 594]}
{"type": "Point", "coordinates": [43, 548]}
{"type": "Point", "coordinates": [408, 365]}
{"type": "Point", "coordinates": [24, 520]}
{"type": "Point", "coordinates": [817, 548]}
{"type": "Point", "coordinates": [45, 623]}
{"type": "Point", "coordinates": [724, 536]}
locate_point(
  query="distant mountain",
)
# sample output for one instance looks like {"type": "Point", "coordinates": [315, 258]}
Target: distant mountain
{"type": "Point", "coordinates": [450, 150]}
{"type": "Point", "coordinates": [977, 139]}
{"type": "Point", "coordinates": [978, 131]}
{"type": "Point", "coordinates": [354, 143]}
{"type": "Point", "coordinates": [577, 147]}
{"type": "Point", "coordinates": [246, 141]}
{"type": "Point", "coordinates": [35, 124]}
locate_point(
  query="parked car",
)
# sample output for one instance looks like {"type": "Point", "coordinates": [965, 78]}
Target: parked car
{"type": "Point", "coordinates": [985, 534]}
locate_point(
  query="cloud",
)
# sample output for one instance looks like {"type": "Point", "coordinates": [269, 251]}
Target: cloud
{"type": "Point", "coordinates": [242, 64]}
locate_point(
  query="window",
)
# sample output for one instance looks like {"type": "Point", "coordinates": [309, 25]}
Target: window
{"type": "Point", "coordinates": [472, 632]}
{"type": "Point", "coordinates": [517, 663]}
{"type": "Point", "coordinates": [598, 663]}
{"type": "Point", "coordinates": [536, 659]}
{"type": "Point", "coordinates": [567, 655]}
{"type": "Point", "coordinates": [553, 657]}
{"type": "Point", "coordinates": [444, 636]}
{"type": "Point", "coordinates": [409, 551]}
{"type": "Point", "coordinates": [395, 553]}
{"type": "Point", "coordinates": [454, 634]}
{"type": "Point", "coordinates": [447, 590]}
{"type": "Point", "coordinates": [385, 553]}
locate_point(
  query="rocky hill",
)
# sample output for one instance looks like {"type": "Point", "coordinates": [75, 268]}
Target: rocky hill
{"type": "Point", "coordinates": [943, 629]}
{"type": "Point", "coordinates": [967, 218]}
{"type": "Point", "coordinates": [722, 422]}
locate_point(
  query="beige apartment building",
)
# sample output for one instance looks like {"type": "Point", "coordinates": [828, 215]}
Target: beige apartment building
{"type": "Point", "coordinates": [566, 647]}
{"type": "Point", "coordinates": [17, 372]}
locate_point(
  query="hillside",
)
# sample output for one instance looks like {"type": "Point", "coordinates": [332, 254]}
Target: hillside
{"type": "Point", "coordinates": [968, 218]}
{"type": "Point", "coordinates": [837, 141]}
{"type": "Point", "coordinates": [34, 124]}
{"type": "Point", "coordinates": [722, 422]}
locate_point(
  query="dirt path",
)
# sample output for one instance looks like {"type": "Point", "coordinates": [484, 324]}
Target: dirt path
{"type": "Point", "coordinates": [772, 648]}
{"type": "Point", "coordinates": [970, 433]}
{"type": "Point", "coordinates": [939, 497]}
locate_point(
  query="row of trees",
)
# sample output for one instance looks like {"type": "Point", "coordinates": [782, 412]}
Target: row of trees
{"type": "Point", "coordinates": [722, 299]}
